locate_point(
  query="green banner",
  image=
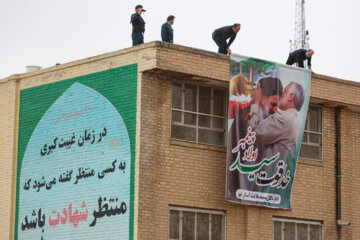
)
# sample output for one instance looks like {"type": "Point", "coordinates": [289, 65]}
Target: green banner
{"type": "Point", "coordinates": [76, 158]}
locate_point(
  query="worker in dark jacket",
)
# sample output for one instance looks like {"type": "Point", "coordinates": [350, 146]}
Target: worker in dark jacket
{"type": "Point", "coordinates": [221, 35]}
{"type": "Point", "coordinates": [167, 33]}
{"type": "Point", "coordinates": [138, 26]}
{"type": "Point", "coordinates": [298, 57]}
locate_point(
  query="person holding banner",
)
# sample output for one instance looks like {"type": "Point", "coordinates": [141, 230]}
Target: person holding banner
{"type": "Point", "coordinates": [221, 35]}
{"type": "Point", "coordinates": [299, 56]}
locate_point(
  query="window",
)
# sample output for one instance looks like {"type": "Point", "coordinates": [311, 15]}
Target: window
{"type": "Point", "coordinates": [297, 230]}
{"type": "Point", "coordinates": [196, 224]}
{"type": "Point", "coordinates": [311, 146]}
{"type": "Point", "coordinates": [198, 113]}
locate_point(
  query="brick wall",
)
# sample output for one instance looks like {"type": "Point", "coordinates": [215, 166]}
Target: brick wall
{"type": "Point", "coordinates": [37, 102]}
{"type": "Point", "coordinates": [8, 108]}
{"type": "Point", "coordinates": [193, 175]}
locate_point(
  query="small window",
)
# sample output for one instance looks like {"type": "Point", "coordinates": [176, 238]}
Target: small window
{"type": "Point", "coordinates": [196, 224]}
{"type": "Point", "coordinates": [311, 145]}
{"type": "Point", "coordinates": [297, 230]}
{"type": "Point", "coordinates": [198, 113]}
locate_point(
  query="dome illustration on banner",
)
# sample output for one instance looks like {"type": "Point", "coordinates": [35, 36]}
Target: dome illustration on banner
{"type": "Point", "coordinates": [75, 174]}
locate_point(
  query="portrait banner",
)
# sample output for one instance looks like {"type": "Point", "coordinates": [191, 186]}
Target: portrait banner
{"type": "Point", "coordinates": [268, 104]}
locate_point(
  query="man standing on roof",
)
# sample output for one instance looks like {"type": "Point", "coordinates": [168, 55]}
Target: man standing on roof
{"type": "Point", "coordinates": [138, 26]}
{"type": "Point", "coordinates": [298, 57]}
{"type": "Point", "coordinates": [167, 33]}
{"type": "Point", "coordinates": [220, 36]}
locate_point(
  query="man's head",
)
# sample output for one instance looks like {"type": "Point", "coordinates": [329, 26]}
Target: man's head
{"type": "Point", "coordinates": [271, 90]}
{"type": "Point", "coordinates": [236, 27]}
{"type": "Point", "coordinates": [170, 19]}
{"type": "Point", "coordinates": [309, 53]}
{"type": "Point", "coordinates": [292, 97]}
{"type": "Point", "coordinates": [139, 9]}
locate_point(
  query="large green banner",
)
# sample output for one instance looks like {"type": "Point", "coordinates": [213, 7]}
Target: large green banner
{"type": "Point", "coordinates": [268, 105]}
{"type": "Point", "coordinates": [76, 158]}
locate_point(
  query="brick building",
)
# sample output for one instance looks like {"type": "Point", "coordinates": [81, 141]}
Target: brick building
{"type": "Point", "coordinates": [177, 180]}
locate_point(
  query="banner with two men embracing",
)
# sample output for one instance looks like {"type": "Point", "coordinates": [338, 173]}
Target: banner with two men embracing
{"type": "Point", "coordinates": [268, 104]}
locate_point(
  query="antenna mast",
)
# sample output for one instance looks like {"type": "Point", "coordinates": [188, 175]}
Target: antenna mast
{"type": "Point", "coordinates": [301, 36]}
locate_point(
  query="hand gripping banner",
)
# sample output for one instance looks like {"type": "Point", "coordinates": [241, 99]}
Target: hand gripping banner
{"type": "Point", "coordinates": [268, 104]}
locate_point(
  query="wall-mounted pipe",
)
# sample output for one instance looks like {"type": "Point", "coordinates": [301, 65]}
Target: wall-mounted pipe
{"type": "Point", "coordinates": [338, 163]}
{"type": "Point", "coordinates": [339, 222]}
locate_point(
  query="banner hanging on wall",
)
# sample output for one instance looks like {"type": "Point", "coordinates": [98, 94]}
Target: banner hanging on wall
{"type": "Point", "coordinates": [76, 158]}
{"type": "Point", "coordinates": [268, 104]}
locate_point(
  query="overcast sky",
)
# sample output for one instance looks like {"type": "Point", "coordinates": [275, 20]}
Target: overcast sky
{"type": "Point", "coordinates": [46, 32]}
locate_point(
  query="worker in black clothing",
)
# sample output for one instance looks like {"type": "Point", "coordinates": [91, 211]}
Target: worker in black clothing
{"type": "Point", "coordinates": [298, 57]}
{"type": "Point", "coordinates": [138, 26]}
{"type": "Point", "coordinates": [167, 33]}
{"type": "Point", "coordinates": [220, 36]}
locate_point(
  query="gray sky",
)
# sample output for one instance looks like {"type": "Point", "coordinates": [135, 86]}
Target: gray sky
{"type": "Point", "coordinates": [46, 32]}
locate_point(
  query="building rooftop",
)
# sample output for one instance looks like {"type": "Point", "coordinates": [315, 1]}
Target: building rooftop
{"type": "Point", "coordinates": [167, 59]}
